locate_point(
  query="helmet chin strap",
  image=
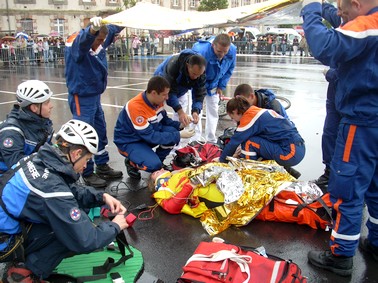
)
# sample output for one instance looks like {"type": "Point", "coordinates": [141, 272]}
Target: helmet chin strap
{"type": "Point", "coordinates": [73, 163]}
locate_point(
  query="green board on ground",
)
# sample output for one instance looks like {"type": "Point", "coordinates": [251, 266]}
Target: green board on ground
{"type": "Point", "coordinates": [82, 265]}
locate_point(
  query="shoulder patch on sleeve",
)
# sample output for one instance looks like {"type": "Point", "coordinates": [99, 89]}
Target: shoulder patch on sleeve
{"type": "Point", "coordinates": [75, 214]}
{"type": "Point", "coordinates": [8, 142]}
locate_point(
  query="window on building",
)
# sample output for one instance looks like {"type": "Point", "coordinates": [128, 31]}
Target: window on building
{"type": "Point", "coordinates": [59, 26]}
{"type": "Point", "coordinates": [113, 1]}
{"type": "Point", "coordinates": [176, 3]}
{"type": "Point", "coordinates": [234, 3]}
{"type": "Point", "coordinates": [27, 25]}
{"type": "Point", "coordinates": [192, 3]}
{"type": "Point", "coordinates": [24, 1]}
{"type": "Point", "coordinates": [246, 2]}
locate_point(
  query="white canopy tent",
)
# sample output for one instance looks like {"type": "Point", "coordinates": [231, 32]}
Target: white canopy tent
{"type": "Point", "coordinates": [150, 16]}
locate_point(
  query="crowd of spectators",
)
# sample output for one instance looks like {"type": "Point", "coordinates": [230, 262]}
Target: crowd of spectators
{"type": "Point", "coordinates": [38, 50]}
{"type": "Point", "coordinates": [32, 50]}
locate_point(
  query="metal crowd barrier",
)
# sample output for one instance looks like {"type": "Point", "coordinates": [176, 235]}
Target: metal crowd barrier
{"type": "Point", "coordinates": [22, 56]}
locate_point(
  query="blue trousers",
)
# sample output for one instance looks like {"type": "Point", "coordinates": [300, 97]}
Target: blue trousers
{"type": "Point", "coordinates": [288, 155]}
{"type": "Point", "coordinates": [43, 251]}
{"type": "Point", "coordinates": [330, 127]}
{"type": "Point", "coordinates": [353, 180]}
{"type": "Point", "coordinates": [145, 158]}
{"type": "Point", "coordinates": [89, 110]}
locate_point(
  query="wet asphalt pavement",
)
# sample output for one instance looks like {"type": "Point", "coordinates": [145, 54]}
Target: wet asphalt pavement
{"type": "Point", "coordinates": [167, 241]}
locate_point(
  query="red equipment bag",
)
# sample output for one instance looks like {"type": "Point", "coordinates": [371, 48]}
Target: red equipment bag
{"type": "Point", "coordinates": [287, 206]}
{"type": "Point", "coordinates": [219, 262]}
{"type": "Point", "coordinates": [195, 154]}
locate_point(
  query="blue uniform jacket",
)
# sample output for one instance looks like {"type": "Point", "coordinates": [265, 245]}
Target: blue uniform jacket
{"type": "Point", "coordinates": [267, 99]}
{"type": "Point", "coordinates": [329, 13]}
{"type": "Point", "coordinates": [45, 191]}
{"type": "Point", "coordinates": [351, 49]}
{"type": "Point", "coordinates": [86, 74]}
{"type": "Point", "coordinates": [218, 72]}
{"type": "Point", "coordinates": [174, 69]}
{"type": "Point", "coordinates": [263, 123]}
{"type": "Point", "coordinates": [21, 134]}
{"type": "Point", "coordinates": [140, 121]}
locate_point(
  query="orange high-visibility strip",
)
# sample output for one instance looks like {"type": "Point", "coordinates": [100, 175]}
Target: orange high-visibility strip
{"type": "Point", "coordinates": [337, 223]}
{"type": "Point", "coordinates": [77, 104]}
{"type": "Point", "coordinates": [290, 155]}
{"type": "Point", "coordinates": [349, 143]}
{"type": "Point", "coordinates": [124, 153]}
{"type": "Point", "coordinates": [248, 144]}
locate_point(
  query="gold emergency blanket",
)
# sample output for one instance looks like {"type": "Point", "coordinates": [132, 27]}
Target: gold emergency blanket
{"type": "Point", "coordinates": [262, 181]}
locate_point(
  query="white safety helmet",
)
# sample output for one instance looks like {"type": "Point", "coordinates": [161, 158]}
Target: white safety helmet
{"type": "Point", "coordinates": [79, 133]}
{"type": "Point", "coordinates": [32, 91]}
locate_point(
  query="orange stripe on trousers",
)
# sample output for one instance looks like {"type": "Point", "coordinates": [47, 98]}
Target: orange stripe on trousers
{"type": "Point", "coordinates": [77, 104]}
{"type": "Point", "coordinates": [349, 143]}
{"type": "Point", "coordinates": [336, 223]}
{"type": "Point", "coordinates": [290, 155]}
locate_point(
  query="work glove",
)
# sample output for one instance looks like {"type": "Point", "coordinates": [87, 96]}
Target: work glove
{"type": "Point", "coordinates": [96, 23]}
{"type": "Point", "coordinates": [186, 134]}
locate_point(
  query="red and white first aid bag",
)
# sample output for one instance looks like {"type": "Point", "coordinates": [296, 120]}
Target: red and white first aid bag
{"type": "Point", "coordinates": [214, 262]}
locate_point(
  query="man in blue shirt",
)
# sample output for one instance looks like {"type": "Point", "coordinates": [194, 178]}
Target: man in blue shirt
{"type": "Point", "coordinates": [220, 55]}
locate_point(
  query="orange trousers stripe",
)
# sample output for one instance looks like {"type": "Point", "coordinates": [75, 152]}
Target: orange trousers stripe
{"type": "Point", "coordinates": [349, 143]}
{"type": "Point", "coordinates": [77, 104]}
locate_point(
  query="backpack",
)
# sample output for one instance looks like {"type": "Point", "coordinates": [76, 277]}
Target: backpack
{"type": "Point", "coordinates": [214, 262]}
{"type": "Point", "coordinates": [195, 154]}
{"type": "Point", "coordinates": [287, 206]}
{"type": "Point", "coordinates": [226, 136]}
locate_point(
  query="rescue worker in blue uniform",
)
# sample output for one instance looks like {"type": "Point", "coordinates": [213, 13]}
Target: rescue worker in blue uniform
{"type": "Point", "coordinates": [42, 193]}
{"type": "Point", "coordinates": [332, 120]}
{"type": "Point", "coordinates": [220, 55]}
{"type": "Point", "coordinates": [86, 75]}
{"type": "Point", "coordinates": [263, 133]}
{"type": "Point", "coordinates": [266, 99]}
{"type": "Point", "coordinates": [143, 125]}
{"type": "Point", "coordinates": [184, 72]}
{"type": "Point", "coordinates": [331, 124]}
{"type": "Point", "coordinates": [262, 98]}
{"type": "Point", "coordinates": [352, 49]}
{"type": "Point", "coordinates": [28, 125]}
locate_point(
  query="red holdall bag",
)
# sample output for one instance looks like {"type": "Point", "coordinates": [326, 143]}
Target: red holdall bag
{"type": "Point", "coordinates": [195, 154]}
{"type": "Point", "coordinates": [287, 206]}
{"type": "Point", "coordinates": [214, 262]}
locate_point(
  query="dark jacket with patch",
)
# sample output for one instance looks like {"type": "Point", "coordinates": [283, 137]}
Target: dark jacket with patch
{"type": "Point", "coordinates": [174, 69]}
{"type": "Point", "coordinates": [21, 134]}
{"type": "Point", "coordinates": [44, 190]}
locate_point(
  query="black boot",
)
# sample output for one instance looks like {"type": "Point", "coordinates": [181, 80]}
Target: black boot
{"type": "Point", "coordinates": [322, 181]}
{"type": "Point", "coordinates": [368, 248]}
{"type": "Point", "coordinates": [104, 171]}
{"type": "Point", "coordinates": [94, 181]}
{"type": "Point", "coordinates": [296, 174]}
{"type": "Point", "coordinates": [340, 265]}
{"type": "Point", "coordinates": [132, 171]}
